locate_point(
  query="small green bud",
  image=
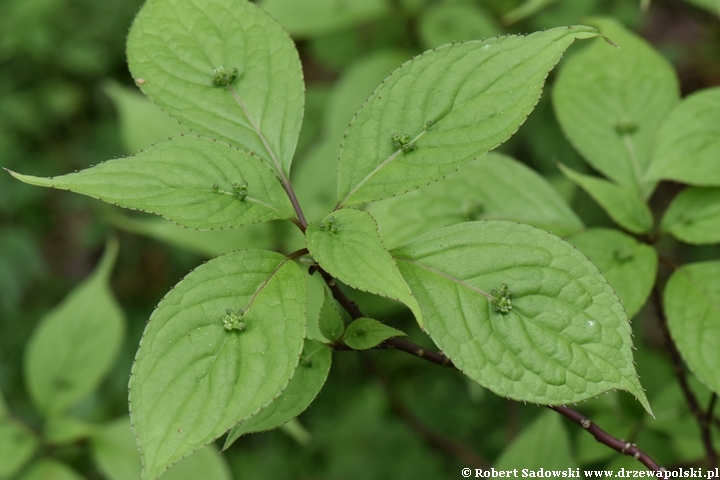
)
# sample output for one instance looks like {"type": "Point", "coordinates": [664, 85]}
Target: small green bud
{"type": "Point", "coordinates": [501, 299]}
{"type": "Point", "coordinates": [233, 321]}
{"type": "Point", "coordinates": [626, 128]}
{"type": "Point", "coordinates": [623, 256]}
{"type": "Point", "coordinates": [408, 147]}
{"type": "Point", "coordinates": [223, 77]}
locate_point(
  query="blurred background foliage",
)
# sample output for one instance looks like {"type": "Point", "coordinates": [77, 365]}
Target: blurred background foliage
{"type": "Point", "coordinates": [67, 102]}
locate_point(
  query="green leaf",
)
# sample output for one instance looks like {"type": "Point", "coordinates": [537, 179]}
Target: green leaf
{"type": "Point", "coordinates": [177, 179]}
{"type": "Point", "coordinates": [308, 18]}
{"type": "Point", "coordinates": [623, 204]}
{"type": "Point", "coordinates": [76, 344]}
{"type": "Point", "coordinates": [629, 266]}
{"type": "Point", "coordinates": [295, 430]}
{"type": "Point", "coordinates": [331, 324]}
{"type": "Point", "coordinates": [309, 378]}
{"type": "Point", "coordinates": [692, 306]}
{"type": "Point", "coordinates": [207, 463]}
{"type": "Point", "coordinates": [346, 244]}
{"type": "Point", "coordinates": [17, 445]}
{"type": "Point", "coordinates": [315, 177]}
{"type": "Point", "coordinates": [116, 456]}
{"type": "Point", "coordinates": [364, 333]}
{"type": "Point", "coordinates": [545, 444]}
{"type": "Point", "coordinates": [142, 123]}
{"type": "Point", "coordinates": [688, 143]}
{"type": "Point", "coordinates": [694, 216]}
{"type": "Point", "coordinates": [64, 430]}
{"type": "Point", "coordinates": [315, 298]}
{"type": "Point", "coordinates": [521, 312]}
{"type": "Point", "coordinates": [316, 99]}
{"type": "Point", "coordinates": [219, 347]}
{"type": "Point", "coordinates": [178, 51]}
{"type": "Point", "coordinates": [526, 9]}
{"type": "Point", "coordinates": [492, 187]}
{"type": "Point", "coordinates": [475, 94]}
{"type": "Point", "coordinates": [447, 22]}
{"type": "Point", "coordinates": [315, 180]}
{"type": "Point", "coordinates": [47, 469]}
{"type": "Point", "coordinates": [114, 451]}
{"type": "Point", "coordinates": [353, 88]}
{"type": "Point", "coordinates": [209, 243]}
{"type": "Point", "coordinates": [610, 103]}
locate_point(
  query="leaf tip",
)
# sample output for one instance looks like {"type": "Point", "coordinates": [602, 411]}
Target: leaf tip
{"type": "Point", "coordinates": [607, 40]}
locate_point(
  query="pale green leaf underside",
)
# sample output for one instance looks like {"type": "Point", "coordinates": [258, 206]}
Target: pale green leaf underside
{"type": "Point", "coordinates": [67, 429]}
{"type": "Point", "coordinates": [193, 379]}
{"type": "Point", "coordinates": [116, 455]}
{"type": "Point", "coordinates": [526, 9]}
{"type": "Point", "coordinates": [76, 343]}
{"type": "Point", "coordinates": [208, 243]}
{"type": "Point", "coordinates": [688, 143]}
{"type": "Point", "coordinates": [476, 94]}
{"type": "Point", "coordinates": [545, 443]}
{"type": "Point", "coordinates": [330, 323]}
{"type": "Point", "coordinates": [610, 103]}
{"type": "Point", "coordinates": [176, 178]}
{"type": "Point", "coordinates": [628, 265]}
{"type": "Point", "coordinates": [309, 377]}
{"type": "Point", "coordinates": [364, 333]}
{"type": "Point", "coordinates": [492, 187]}
{"type": "Point", "coordinates": [692, 306]}
{"type": "Point", "coordinates": [307, 18]}
{"type": "Point", "coordinates": [174, 48]}
{"type": "Point", "coordinates": [17, 445]}
{"type": "Point", "coordinates": [566, 337]}
{"type": "Point", "coordinates": [142, 123]}
{"type": "Point", "coordinates": [449, 22]}
{"type": "Point", "coordinates": [206, 463]}
{"type": "Point", "coordinates": [694, 216]}
{"type": "Point", "coordinates": [46, 468]}
{"type": "Point", "coordinates": [353, 88]}
{"type": "Point", "coordinates": [622, 203]}
{"type": "Point", "coordinates": [348, 247]}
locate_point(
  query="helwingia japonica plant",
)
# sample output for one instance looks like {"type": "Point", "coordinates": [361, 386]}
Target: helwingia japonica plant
{"type": "Point", "coordinates": [515, 308]}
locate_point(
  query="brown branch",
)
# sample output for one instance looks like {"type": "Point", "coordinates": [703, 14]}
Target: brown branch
{"type": "Point", "coordinates": [337, 293]}
{"type": "Point", "coordinates": [441, 359]}
{"type": "Point", "coordinates": [626, 448]}
{"type": "Point", "coordinates": [711, 408]}
{"type": "Point", "coordinates": [391, 343]}
{"type": "Point", "coordinates": [676, 359]}
{"type": "Point", "coordinates": [407, 346]}
{"type": "Point", "coordinates": [434, 439]}
{"type": "Point", "coordinates": [668, 262]}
